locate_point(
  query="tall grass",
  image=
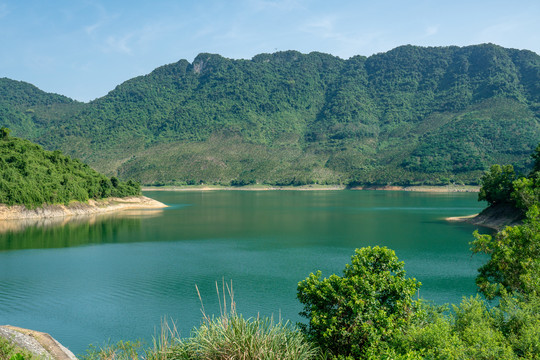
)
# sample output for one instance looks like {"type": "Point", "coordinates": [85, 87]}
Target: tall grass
{"type": "Point", "coordinates": [227, 336]}
{"type": "Point", "coordinates": [231, 336]}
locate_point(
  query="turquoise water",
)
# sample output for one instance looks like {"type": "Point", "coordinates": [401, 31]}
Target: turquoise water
{"type": "Point", "coordinates": [115, 277]}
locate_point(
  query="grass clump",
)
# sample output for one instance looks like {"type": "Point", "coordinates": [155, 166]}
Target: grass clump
{"type": "Point", "coordinates": [122, 350]}
{"type": "Point", "coordinates": [234, 337]}
{"type": "Point", "coordinates": [228, 336]}
{"type": "Point", "coordinates": [231, 336]}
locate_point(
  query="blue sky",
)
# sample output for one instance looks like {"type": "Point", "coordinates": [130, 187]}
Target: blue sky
{"type": "Point", "coordinates": [84, 48]}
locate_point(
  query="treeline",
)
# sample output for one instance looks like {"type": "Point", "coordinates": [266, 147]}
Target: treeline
{"type": "Point", "coordinates": [34, 177]}
{"type": "Point", "coordinates": [412, 115]}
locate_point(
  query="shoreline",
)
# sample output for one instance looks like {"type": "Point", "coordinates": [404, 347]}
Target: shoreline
{"type": "Point", "coordinates": [465, 218]}
{"type": "Point", "coordinates": [474, 219]}
{"type": "Point", "coordinates": [75, 209]}
{"type": "Point", "coordinates": [421, 188]}
{"type": "Point", "coordinates": [493, 217]}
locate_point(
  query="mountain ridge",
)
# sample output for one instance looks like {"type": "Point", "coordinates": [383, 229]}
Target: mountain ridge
{"type": "Point", "coordinates": [428, 115]}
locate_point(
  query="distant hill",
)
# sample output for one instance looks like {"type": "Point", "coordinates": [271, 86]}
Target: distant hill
{"type": "Point", "coordinates": [412, 115]}
{"type": "Point", "coordinates": [34, 177]}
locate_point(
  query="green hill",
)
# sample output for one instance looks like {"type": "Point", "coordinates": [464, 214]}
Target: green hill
{"type": "Point", "coordinates": [412, 115]}
{"type": "Point", "coordinates": [32, 176]}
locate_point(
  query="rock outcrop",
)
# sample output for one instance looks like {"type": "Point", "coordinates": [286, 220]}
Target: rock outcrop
{"type": "Point", "coordinates": [37, 343]}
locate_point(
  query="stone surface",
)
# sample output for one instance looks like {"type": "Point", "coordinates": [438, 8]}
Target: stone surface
{"type": "Point", "coordinates": [38, 343]}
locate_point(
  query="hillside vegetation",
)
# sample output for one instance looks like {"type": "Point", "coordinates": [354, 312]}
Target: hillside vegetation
{"type": "Point", "coordinates": [412, 115]}
{"type": "Point", "coordinates": [34, 177]}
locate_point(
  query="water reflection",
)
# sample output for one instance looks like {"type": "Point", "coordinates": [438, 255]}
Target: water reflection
{"type": "Point", "coordinates": [59, 232]}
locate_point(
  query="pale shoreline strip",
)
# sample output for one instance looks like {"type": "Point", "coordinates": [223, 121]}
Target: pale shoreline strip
{"type": "Point", "coordinates": [430, 189]}
{"type": "Point", "coordinates": [461, 218]}
{"type": "Point", "coordinates": [18, 212]}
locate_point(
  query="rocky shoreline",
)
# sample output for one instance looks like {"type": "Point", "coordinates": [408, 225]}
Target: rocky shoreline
{"type": "Point", "coordinates": [494, 217]}
{"type": "Point", "coordinates": [92, 207]}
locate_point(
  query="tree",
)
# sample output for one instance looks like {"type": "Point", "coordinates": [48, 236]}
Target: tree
{"type": "Point", "coordinates": [514, 264]}
{"type": "Point", "coordinates": [497, 185]}
{"type": "Point", "coordinates": [114, 181]}
{"type": "Point", "coordinates": [527, 191]}
{"type": "Point", "coordinates": [368, 305]}
{"type": "Point", "coordinates": [4, 132]}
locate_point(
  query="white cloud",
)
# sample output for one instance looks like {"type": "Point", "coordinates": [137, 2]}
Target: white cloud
{"type": "Point", "coordinates": [118, 44]}
{"type": "Point", "coordinates": [101, 18]}
{"type": "Point", "coordinates": [91, 29]}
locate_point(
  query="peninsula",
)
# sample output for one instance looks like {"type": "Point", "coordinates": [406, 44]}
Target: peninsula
{"type": "Point", "coordinates": [35, 183]}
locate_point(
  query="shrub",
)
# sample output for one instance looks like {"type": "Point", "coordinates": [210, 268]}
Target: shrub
{"type": "Point", "coordinates": [366, 307]}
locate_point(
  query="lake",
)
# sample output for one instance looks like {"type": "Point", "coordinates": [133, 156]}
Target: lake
{"type": "Point", "coordinates": [106, 278]}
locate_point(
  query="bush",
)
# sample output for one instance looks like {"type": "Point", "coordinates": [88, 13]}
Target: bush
{"type": "Point", "coordinates": [354, 314]}
{"type": "Point", "coordinates": [514, 264]}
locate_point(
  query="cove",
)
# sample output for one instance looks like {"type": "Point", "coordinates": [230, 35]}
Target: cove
{"type": "Point", "coordinates": [115, 277]}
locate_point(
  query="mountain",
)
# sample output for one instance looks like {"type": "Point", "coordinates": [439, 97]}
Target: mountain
{"type": "Point", "coordinates": [411, 115]}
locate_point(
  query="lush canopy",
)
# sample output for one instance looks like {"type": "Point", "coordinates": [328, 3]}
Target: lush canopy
{"type": "Point", "coordinates": [32, 176]}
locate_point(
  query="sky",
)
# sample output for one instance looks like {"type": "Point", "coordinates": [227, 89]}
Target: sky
{"type": "Point", "coordinates": [85, 48]}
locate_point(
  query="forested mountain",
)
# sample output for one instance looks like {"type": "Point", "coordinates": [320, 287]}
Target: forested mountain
{"type": "Point", "coordinates": [408, 116]}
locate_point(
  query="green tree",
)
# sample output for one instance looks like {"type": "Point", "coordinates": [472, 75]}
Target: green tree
{"type": "Point", "coordinates": [352, 314]}
{"type": "Point", "coordinates": [497, 185]}
{"type": "Point", "coordinates": [514, 263]}
{"type": "Point", "coordinates": [527, 191]}
{"type": "Point", "coordinates": [4, 132]}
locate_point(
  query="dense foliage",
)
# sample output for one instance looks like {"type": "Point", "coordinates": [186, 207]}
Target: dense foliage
{"type": "Point", "coordinates": [411, 115]}
{"type": "Point", "coordinates": [502, 186]}
{"type": "Point", "coordinates": [353, 314]}
{"type": "Point", "coordinates": [497, 185]}
{"type": "Point", "coordinates": [382, 320]}
{"type": "Point", "coordinates": [32, 176]}
{"type": "Point", "coordinates": [514, 265]}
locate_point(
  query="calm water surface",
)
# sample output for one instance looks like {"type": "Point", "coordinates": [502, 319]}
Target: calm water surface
{"type": "Point", "coordinates": [115, 277]}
